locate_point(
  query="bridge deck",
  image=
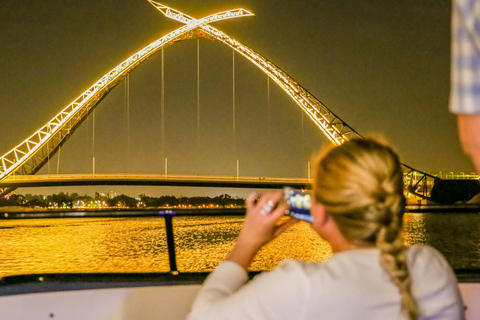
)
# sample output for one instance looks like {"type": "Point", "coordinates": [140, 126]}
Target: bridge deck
{"type": "Point", "coordinates": [19, 181]}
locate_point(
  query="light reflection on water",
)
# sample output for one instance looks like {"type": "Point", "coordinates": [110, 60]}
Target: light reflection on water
{"type": "Point", "coordinates": [456, 235]}
{"type": "Point", "coordinates": [139, 244]}
{"type": "Point", "coordinates": [82, 245]}
{"type": "Point", "coordinates": [204, 242]}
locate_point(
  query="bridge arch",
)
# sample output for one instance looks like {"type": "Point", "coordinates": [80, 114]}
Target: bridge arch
{"type": "Point", "coordinates": [29, 156]}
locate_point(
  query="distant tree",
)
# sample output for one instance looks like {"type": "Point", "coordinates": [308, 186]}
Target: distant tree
{"type": "Point", "coordinates": [125, 201]}
{"type": "Point", "coordinates": [17, 199]}
{"type": "Point", "coordinates": [13, 200]}
{"type": "Point", "coordinates": [3, 201]}
{"type": "Point", "coordinates": [168, 200]}
{"type": "Point", "coordinates": [34, 202]}
{"type": "Point", "coordinates": [150, 202]}
{"type": "Point", "coordinates": [67, 200]}
{"type": "Point", "coordinates": [85, 198]}
{"type": "Point", "coordinates": [62, 200]}
{"type": "Point", "coordinates": [111, 202]}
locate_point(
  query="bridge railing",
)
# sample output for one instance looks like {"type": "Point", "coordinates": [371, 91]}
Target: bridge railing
{"type": "Point", "coordinates": [456, 175]}
{"type": "Point", "coordinates": [150, 176]}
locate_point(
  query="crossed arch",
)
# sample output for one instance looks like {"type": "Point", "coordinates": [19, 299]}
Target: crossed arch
{"type": "Point", "coordinates": [30, 155]}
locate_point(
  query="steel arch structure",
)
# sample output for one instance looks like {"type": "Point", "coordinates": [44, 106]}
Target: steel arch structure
{"type": "Point", "coordinates": [29, 156]}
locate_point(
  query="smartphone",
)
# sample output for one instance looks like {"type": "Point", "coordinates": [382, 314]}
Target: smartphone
{"type": "Point", "coordinates": [300, 204]}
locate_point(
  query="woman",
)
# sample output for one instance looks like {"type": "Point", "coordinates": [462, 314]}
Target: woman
{"type": "Point", "coordinates": [358, 208]}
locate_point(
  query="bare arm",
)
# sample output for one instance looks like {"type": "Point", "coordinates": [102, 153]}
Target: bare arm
{"type": "Point", "coordinates": [469, 129]}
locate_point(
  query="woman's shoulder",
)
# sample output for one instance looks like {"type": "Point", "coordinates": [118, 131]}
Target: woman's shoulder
{"type": "Point", "coordinates": [428, 264]}
{"type": "Point", "coordinates": [321, 271]}
{"type": "Point", "coordinates": [292, 266]}
{"type": "Point", "coordinates": [297, 271]}
{"type": "Point", "coordinates": [422, 260]}
{"type": "Point", "coordinates": [433, 283]}
{"type": "Point", "coordinates": [425, 255]}
{"type": "Point", "coordinates": [423, 250]}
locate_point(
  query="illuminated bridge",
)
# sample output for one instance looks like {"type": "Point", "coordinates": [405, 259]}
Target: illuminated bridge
{"type": "Point", "coordinates": [18, 181]}
{"type": "Point", "coordinates": [33, 153]}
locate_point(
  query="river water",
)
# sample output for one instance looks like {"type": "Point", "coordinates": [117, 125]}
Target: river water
{"type": "Point", "coordinates": [139, 244]}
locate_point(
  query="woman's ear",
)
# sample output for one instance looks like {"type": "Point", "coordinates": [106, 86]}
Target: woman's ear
{"type": "Point", "coordinates": [318, 212]}
{"type": "Point", "coordinates": [320, 217]}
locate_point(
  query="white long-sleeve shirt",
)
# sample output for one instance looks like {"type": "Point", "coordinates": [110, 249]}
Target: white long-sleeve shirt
{"type": "Point", "coordinates": [350, 285]}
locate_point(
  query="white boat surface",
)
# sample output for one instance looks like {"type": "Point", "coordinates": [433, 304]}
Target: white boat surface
{"type": "Point", "coordinates": [170, 302]}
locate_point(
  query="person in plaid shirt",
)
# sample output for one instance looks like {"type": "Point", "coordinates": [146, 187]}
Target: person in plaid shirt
{"type": "Point", "coordinates": [465, 76]}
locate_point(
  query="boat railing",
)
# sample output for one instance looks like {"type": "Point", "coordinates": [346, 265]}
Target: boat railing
{"type": "Point", "coordinates": [463, 275]}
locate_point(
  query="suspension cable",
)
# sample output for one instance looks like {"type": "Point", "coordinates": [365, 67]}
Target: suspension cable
{"type": "Point", "coordinates": [303, 142]}
{"type": "Point", "coordinates": [162, 111]}
{"type": "Point", "coordinates": [233, 103]}
{"type": "Point", "coordinates": [127, 110]}
{"type": "Point", "coordinates": [198, 99]}
{"type": "Point", "coordinates": [93, 143]}
{"type": "Point", "coordinates": [58, 158]}
{"type": "Point", "coordinates": [268, 115]}
{"type": "Point", "coordinates": [48, 157]}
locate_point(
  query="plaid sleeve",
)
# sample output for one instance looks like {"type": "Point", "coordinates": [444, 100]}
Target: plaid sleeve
{"type": "Point", "coordinates": [465, 81]}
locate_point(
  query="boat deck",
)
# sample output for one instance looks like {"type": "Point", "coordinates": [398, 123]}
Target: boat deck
{"type": "Point", "coordinates": [130, 296]}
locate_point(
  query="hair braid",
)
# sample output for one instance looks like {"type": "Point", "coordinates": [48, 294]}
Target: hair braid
{"type": "Point", "coordinates": [360, 184]}
{"type": "Point", "coordinates": [394, 261]}
{"type": "Point", "coordinates": [389, 240]}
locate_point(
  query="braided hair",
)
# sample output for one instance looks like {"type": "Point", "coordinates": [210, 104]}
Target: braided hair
{"type": "Point", "coordinates": [360, 184]}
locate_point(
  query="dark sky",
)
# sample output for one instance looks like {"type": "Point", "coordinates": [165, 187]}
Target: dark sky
{"type": "Point", "coordinates": [381, 65]}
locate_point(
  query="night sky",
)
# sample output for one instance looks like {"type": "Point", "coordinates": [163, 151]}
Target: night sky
{"type": "Point", "coordinates": [383, 66]}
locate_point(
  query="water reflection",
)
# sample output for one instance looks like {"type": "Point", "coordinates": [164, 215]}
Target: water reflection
{"type": "Point", "coordinates": [139, 244]}
{"type": "Point", "coordinates": [82, 245]}
{"type": "Point", "coordinates": [414, 232]}
{"type": "Point", "coordinates": [202, 243]}
{"type": "Point", "coordinates": [457, 236]}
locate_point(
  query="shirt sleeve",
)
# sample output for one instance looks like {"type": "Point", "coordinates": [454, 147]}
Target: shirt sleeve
{"type": "Point", "coordinates": [465, 69]}
{"type": "Point", "coordinates": [277, 294]}
{"type": "Point", "coordinates": [439, 297]}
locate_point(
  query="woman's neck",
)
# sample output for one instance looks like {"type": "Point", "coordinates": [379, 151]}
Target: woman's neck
{"type": "Point", "coordinates": [341, 244]}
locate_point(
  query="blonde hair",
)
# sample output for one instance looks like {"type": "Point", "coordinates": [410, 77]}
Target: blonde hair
{"type": "Point", "coordinates": [360, 184]}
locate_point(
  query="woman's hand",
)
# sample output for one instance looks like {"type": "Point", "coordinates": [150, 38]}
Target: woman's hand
{"type": "Point", "coordinates": [260, 226]}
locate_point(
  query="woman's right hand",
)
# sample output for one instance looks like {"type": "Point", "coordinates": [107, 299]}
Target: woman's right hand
{"type": "Point", "coordinates": [260, 226]}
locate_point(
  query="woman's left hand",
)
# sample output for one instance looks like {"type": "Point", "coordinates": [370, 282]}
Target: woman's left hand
{"type": "Point", "coordinates": [260, 226]}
